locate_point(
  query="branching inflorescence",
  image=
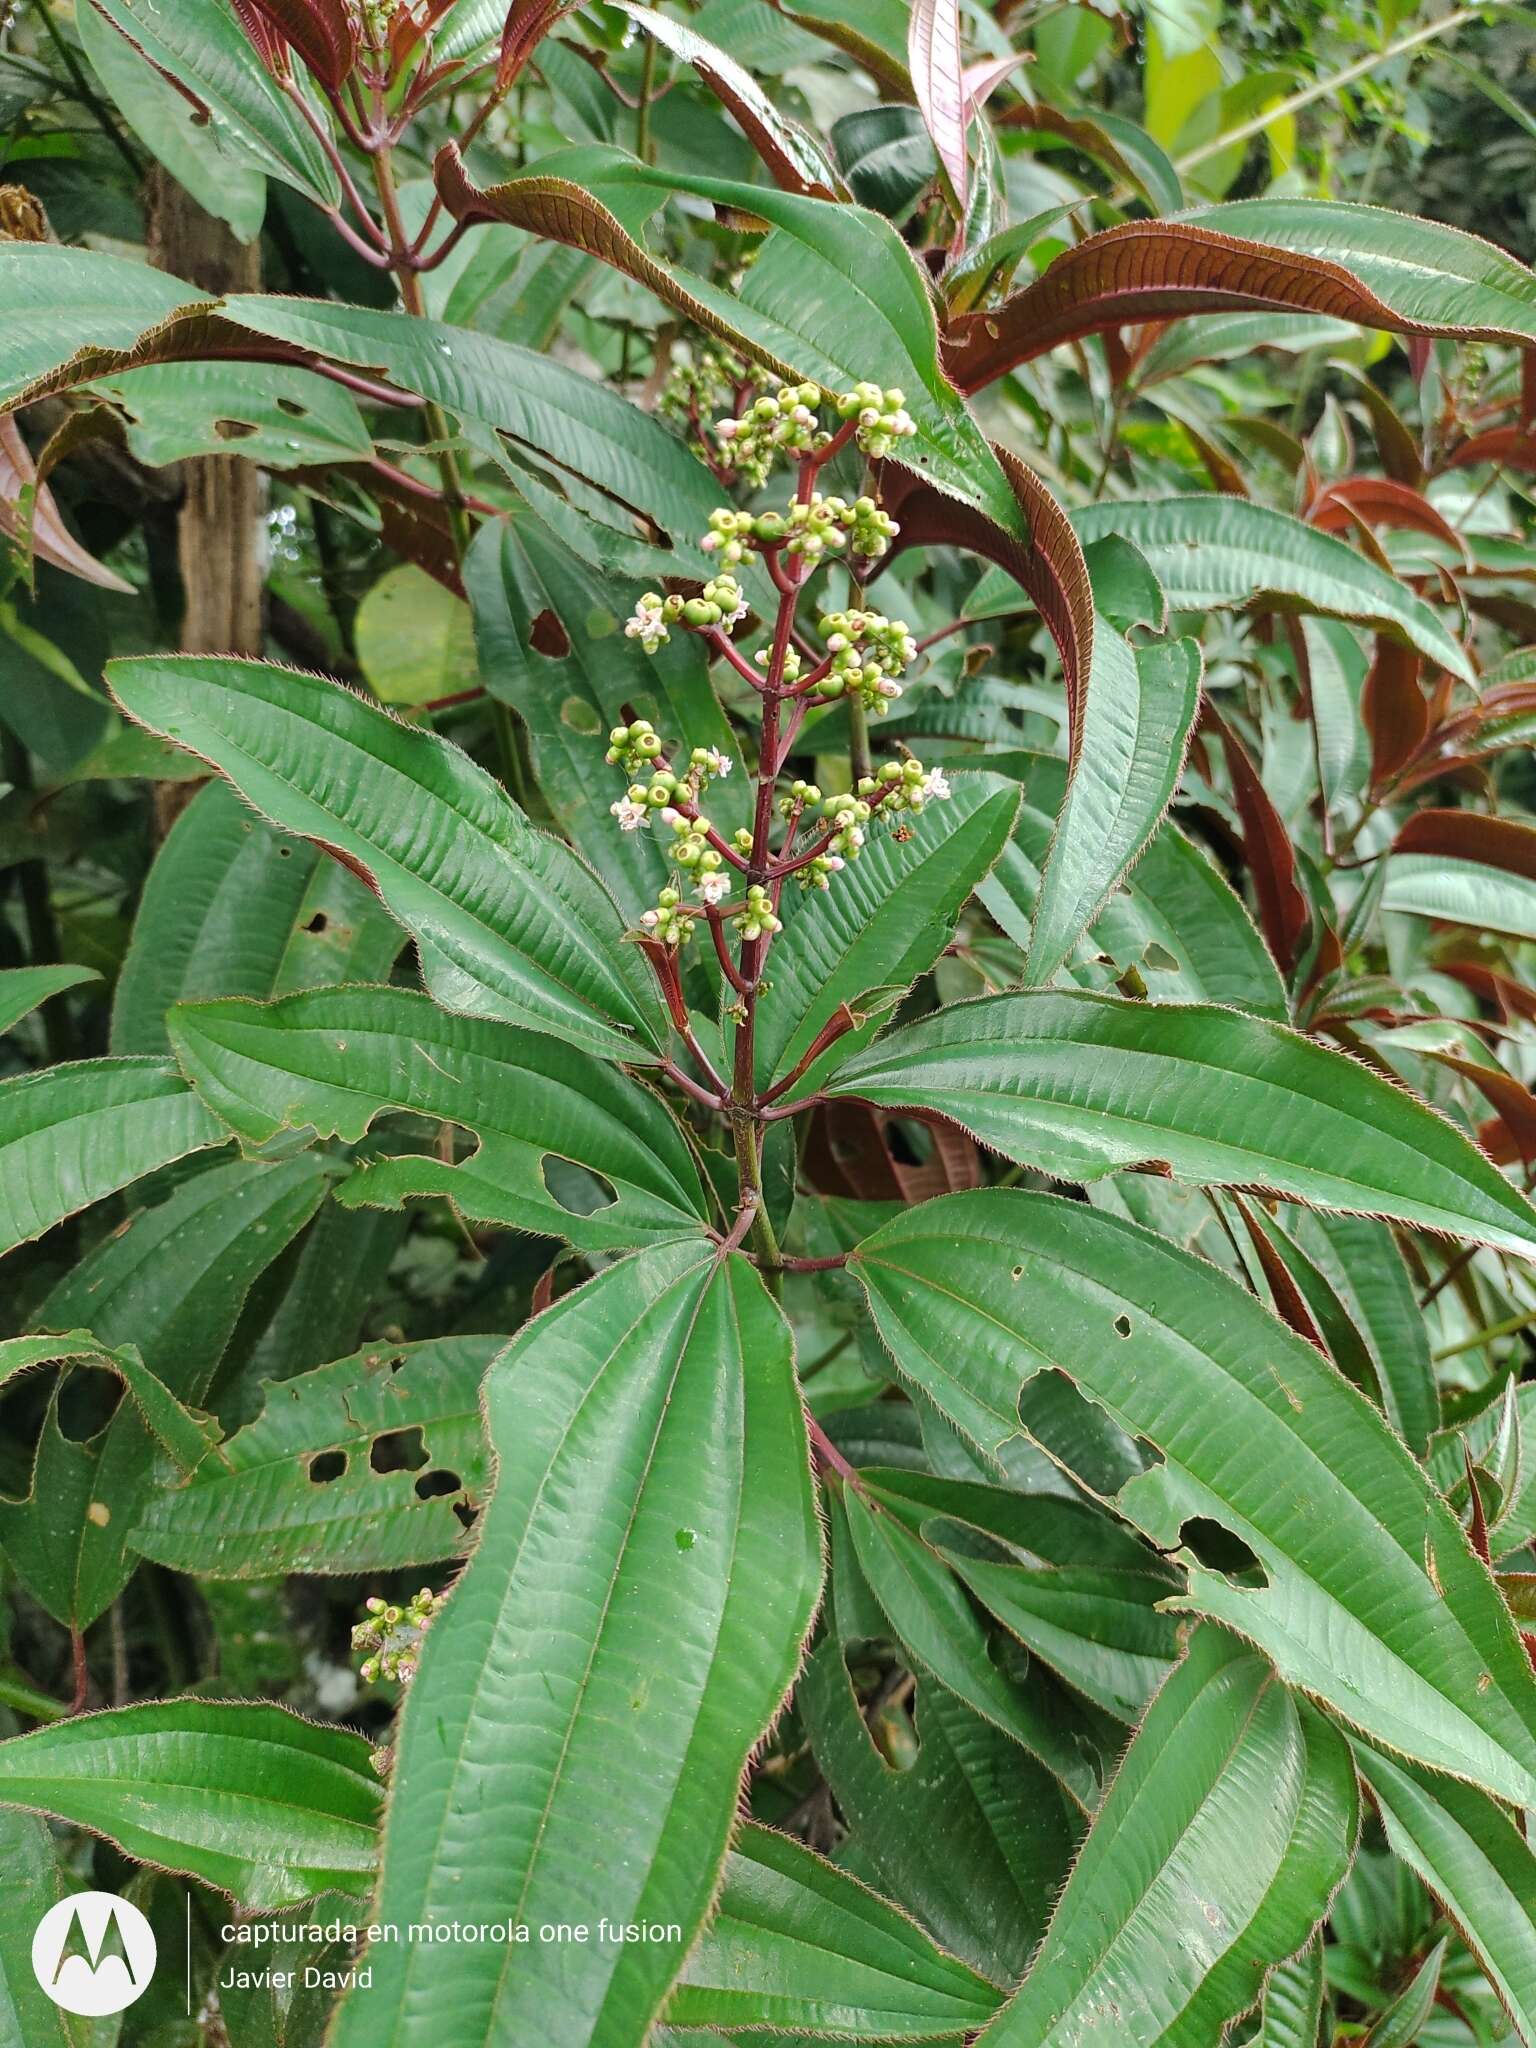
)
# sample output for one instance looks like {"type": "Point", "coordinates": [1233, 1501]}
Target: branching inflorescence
{"type": "Point", "coordinates": [733, 886]}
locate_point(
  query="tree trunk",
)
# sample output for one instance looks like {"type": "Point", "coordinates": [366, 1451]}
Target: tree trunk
{"type": "Point", "coordinates": [219, 541]}
{"type": "Point", "coordinates": [219, 533]}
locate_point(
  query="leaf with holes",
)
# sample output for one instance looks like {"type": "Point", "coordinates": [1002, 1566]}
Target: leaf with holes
{"type": "Point", "coordinates": [365, 1465]}
{"type": "Point", "coordinates": [171, 1283]}
{"type": "Point", "coordinates": [1366, 1593]}
{"type": "Point", "coordinates": [568, 1146]}
{"type": "Point", "coordinates": [636, 1607]}
{"type": "Point", "coordinates": [1081, 1085]}
{"type": "Point", "coordinates": [509, 922]}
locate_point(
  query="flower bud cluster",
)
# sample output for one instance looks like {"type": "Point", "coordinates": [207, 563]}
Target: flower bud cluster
{"type": "Point", "coordinates": [882, 416]}
{"type": "Point", "coordinates": [392, 1636]}
{"type": "Point", "coordinates": [756, 915]}
{"type": "Point", "coordinates": [827, 525]}
{"type": "Point", "coordinates": [668, 922]}
{"type": "Point", "coordinates": [638, 750]}
{"type": "Point", "coordinates": [699, 384]}
{"type": "Point", "coordinates": [651, 617]}
{"type": "Point", "coordinates": [869, 651]}
{"type": "Point", "coordinates": [786, 419]}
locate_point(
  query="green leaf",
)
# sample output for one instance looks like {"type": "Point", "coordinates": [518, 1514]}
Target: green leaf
{"type": "Point", "coordinates": [974, 1838]}
{"type": "Point", "coordinates": [890, 915]}
{"type": "Point", "coordinates": [71, 1135]}
{"type": "Point", "coordinates": [1082, 1595]}
{"type": "Point", "coordinates": [282, 418]}
{"type": "Point", "coordinates": [1215, 553]}
{"type": "Point", "coordinates": [1471, 1856]}
{"type": "Point", "coordinates": [23, 988]}
{"type": "Point", "coordinates": [172, 1283]}
{"type": "Point", "coordinates": [232, 907]}
{"type": "Point", "coordinates": [1097, 1627]}
{"type": "Point", "coordinates": [415, 639]}
{"type": "Point", "coordinates": [1081, 1085]}
{"type": "Point", "coordinates": [635, 1609]}
{"type": "Point", "coordinates": [202, 44]}
{"type": "Point", "coordinates": [210, 159]}
{"type": "Point", "coordinates": [34, 1883]}
{"type": "Point", "coordinates": [796, 1944]}
{"type": "Point", "coordinates": [1402, 2022]}
{"type": "Point", "coordinates": [1218, 1846]}
{"type": "Point", "coordinates": [509, 923]}
{"type": "Point", "coordinates": [1462, 892]}
{"type": "Point", "coordinates": [1371, 1597]}
{"type": "Point", "coordinates": [335, 1059]}
{"type": "Point", "coordinates": [1360, 1259]}
{"type": "Point", "coordinates": [393, 1417]}
{"type": "Point", "coordinates": [1223, 337]}
{"type": "Point", "coordinates": [939, 1628]}
{"type": "Point", "coordinates": [1138, 713]}
{"type": "Point", "coordinates": [1292, 2012]}
{"type": "Point", "coordinates": [248, 1798]}
{"type": "Point", "coordinates": [1175, 918]}
{"type": "Point", "coordinates": [835, 296]}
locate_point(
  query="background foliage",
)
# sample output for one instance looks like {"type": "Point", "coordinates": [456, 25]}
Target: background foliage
{"type": "Point", "coordinates": [1126, 1156]}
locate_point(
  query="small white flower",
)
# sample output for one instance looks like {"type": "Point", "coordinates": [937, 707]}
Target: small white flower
{"type": "Point", "coordinates": [723, 765]}
{"type": "Point", "coordinates": [631, 816]}
{"type": "Point", "coordinates": [936, 784]}
{"type": "Point", "coordinates": [734, 618]}
{"type": "Point", "coordinates": [713, 888]}
{"type": "Point", "coordinates": [728, 429]}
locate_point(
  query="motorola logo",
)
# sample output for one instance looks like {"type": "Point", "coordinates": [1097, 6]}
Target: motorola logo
{"type": "Point", "coordinates": [93, 1953]}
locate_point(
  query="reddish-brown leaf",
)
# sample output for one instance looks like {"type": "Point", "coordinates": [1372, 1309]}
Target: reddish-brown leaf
{"type": "Point", "coordinates": [52, 540]}
{"type": "Point", "coordinates": [1380, 502]}
{"type": "Point", "coordinates": [1471, 835]}
{"type": "Point", "coordinates": [321, 32]}
{"type": "Point", "coordinates": [1393, 708]}
{"type": "Point", "coordinates": [1154, 270]}
{"type": "Point", "coordinates": [526, 25]}
{"type": "Point", "coordinates": [1510, 447]}
{"type": "Point", "coordinates": [1502, 993]}
{"type": "Point", "coordinates": [1290, 1302]}
{"type": "Point", "coordinates": [1283, 910]}
{"type": "Point", "coordinates": [269, 46]}
{"type": "Point", "coordinates": [1049, 568]}
{"type": "Point", "coordinates": [856, 1151]}
{"type": "Point", "coordinates": [938, 79]}
{"type": "Point", "coordinates": [1514, 1102]}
